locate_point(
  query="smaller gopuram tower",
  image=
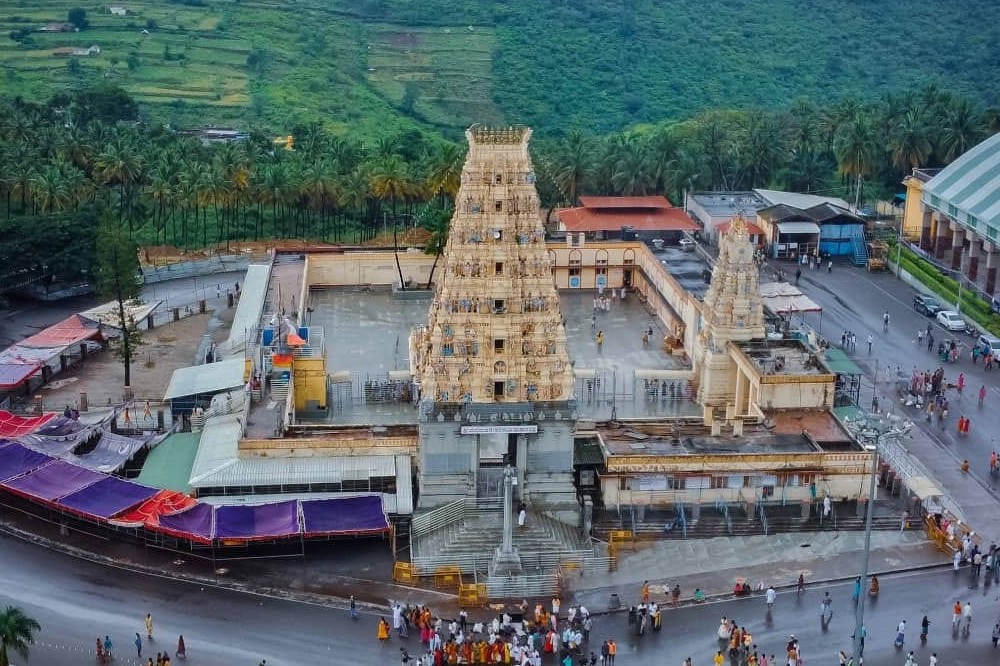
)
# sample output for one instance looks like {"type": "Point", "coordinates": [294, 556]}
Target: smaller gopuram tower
{"type": "Point", "coordinates": [732, 311]}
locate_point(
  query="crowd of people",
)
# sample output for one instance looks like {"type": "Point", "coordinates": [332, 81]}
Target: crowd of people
{"type": "Point", "coordinates": [521, 639]}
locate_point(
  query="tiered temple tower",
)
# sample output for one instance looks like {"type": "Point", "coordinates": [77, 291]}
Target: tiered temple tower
{"type": "Point", "coordinates": [491, 368]}
{"type": "Point", "coordinates": [495, 330]}
{"type": "Point", "coordinates": [732, 311]}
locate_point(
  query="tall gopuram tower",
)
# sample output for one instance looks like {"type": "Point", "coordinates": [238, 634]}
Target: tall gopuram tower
{"type": "Point", "coordinates": [491, 366]}
{"type": "Point", "coordinates": [732, 312]}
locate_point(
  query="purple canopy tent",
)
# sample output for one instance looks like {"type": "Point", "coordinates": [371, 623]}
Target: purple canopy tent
{"type": "Point", "coordinates": [55, 480]}
{"type": "Point", "coordinates": [196, 524]}
{"type": "Point", "coordinates": [264, 521]}
{"type": "Point", "coordinates": [15, 460]}
{"type": "Point", "coordinates": [344, 515]}
{"type": "Point", "coordinates": [106, 498]}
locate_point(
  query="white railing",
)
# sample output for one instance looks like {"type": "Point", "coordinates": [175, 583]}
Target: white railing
{"type": "Point", "coordinates": [449, 514]}
{"type": "Point", "coordinates": [520, 587]}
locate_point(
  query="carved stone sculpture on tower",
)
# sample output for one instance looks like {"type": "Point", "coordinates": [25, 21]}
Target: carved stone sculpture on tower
{"type": "Point", "coordinates": [512, 313]}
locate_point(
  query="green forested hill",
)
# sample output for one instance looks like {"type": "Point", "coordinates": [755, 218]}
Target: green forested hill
{"type": "Point", "coordinates": [599, 65]}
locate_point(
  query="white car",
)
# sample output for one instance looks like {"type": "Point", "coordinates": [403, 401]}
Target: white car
{"type": "Point", "coordinates": [951, 320]}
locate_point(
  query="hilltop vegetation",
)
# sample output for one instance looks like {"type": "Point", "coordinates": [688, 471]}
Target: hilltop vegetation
{"type": "Point", "coordinates": [377, 66]}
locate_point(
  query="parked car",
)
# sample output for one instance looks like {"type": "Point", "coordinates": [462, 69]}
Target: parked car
{"type": "Point", "coordinates": [951, 320]}
{"type": "Point", "coordinates": [926, 305]}
{"type": "Point", "coordinates": [989, 343]}
{"type": "Point", "coordinates": [687, 245]}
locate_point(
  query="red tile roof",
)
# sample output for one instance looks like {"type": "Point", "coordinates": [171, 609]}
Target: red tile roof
{"type": "Point", "coordinates": [751, 227]}
{"type": "Point", "coordinates": [656, 219]}
{"type": "Point", "coordinates": [625, 202]}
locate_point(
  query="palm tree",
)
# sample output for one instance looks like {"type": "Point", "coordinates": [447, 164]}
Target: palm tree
{"type": "Point", "coordinates": [576, 159]}
{"type": "Point", "coordinates": [120, 164]}
{"type": "Point", "coordinates": [438, 222]}
{"type": "Point", "coordinates": [963, 127]}
{"type": "Point", "coordinates": [855, 149]}
{"type": "Point", "coordinates": [17, 632]}
{"type": "Point", "coordinates": [390, 179]}
{"type": "Point", "coordinates": [444, 172]}
{"type": "Point", "coordinates": [762, 145]}
{"type": "Point", "coordinates": [632, 171]}
{"type": "Point", "coordinates": [909, 146]}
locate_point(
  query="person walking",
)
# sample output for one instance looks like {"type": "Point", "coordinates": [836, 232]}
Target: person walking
{"type": "Point", "coordinates": [771, 595]}
{"type": "Point", "coordinates": [829, 266]}
{"type": "Point", "coordinates": [798, 274]}
{"type": "Point", "coordinates": [138, 645]}
{"type": "Point", "coordinates": [149, 626]}
{"type": "Point", "coordinates": [354, 608]}
{"type": "Point", "coordinates": [982, 394]}
{"type": "Point", "coordinates": [871, 339]}
{"type": "Point", "coordinates": [885, 321]}
{"type": "Point", "coordinates": [600, 340]}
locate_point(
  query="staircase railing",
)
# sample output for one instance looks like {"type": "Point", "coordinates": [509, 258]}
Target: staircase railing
{"type": "Point", "coordinates": [682, 516]}
{"type": "Point", "coordinates": [435, 519]}
{"type": "Point", "coordinates": [722, 507]}
{"type": "Point", "coordinates": [762, 514]}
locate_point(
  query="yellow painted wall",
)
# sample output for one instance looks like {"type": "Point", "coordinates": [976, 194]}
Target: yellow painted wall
{"type": "Point", "coordinates": [913, 213]}
{"type": "Point", "coordinates": [376, 268]}
{"type": "Point", "coordinates": [309, 381]}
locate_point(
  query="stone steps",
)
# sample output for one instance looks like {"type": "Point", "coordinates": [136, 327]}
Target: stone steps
{"type": "Point", "coordinates": [479, 533]}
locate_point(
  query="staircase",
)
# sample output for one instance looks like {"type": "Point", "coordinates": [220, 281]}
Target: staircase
{"type": "Point", "coordinates": [279, 390]}
{"type": "Point", "coordinates": [859, 246]}
{"type": "Point", "coordinates": [469, 542]}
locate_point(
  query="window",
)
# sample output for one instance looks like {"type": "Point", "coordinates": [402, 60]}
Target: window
{"type": "Point", "coordinates": [676, 482]}
{"type": "Point", "coordinates": [498, 346]}
{"type": "Point", "coordinates": [498, 389]}
{"type": "Point", "coordinates": [499, 179]}
{"type": "Point", "coordinates": [499, 306]}
{"type": "Point", "coordinates": [602, 270]}
{"type": "Point", "coordinates": [498, 206]}
{"type": "Point", "coordinates": [498, 268]}
{"type": "Point", "coordinates": [574, 272]}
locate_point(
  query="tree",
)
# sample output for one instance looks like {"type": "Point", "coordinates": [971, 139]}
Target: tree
{"type": "Point", "coordinates": [17, 632]}
{"type": "Point", "coordinates": [118, 280]}
{"type": "Point", "coordinates": [78, 17]}
{"type": "Point", "coordinates": [574, 161]}
{"type": "Point", "coordinates": [438, 222]}
{"type": "Point", "coordinates": [909, 145]}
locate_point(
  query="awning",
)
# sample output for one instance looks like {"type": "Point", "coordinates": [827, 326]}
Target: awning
{"type": "Point", "coordinates": [796, 228]}
{"type": "Point", "coordinates": [208, 378]}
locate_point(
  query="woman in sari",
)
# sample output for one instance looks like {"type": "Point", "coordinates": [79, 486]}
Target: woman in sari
{"type": "Point", "coordinates": [383, 629]}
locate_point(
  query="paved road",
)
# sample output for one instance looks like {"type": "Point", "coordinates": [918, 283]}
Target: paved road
{"type": "Point", "coordinates": [27, 317]}
{"type": "Point", "coordinates": [854, 299]}
{"type": "Point", "coordinates": [75, 601]}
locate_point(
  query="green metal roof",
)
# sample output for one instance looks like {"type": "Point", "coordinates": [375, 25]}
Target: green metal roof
{"type": "Point", "coordinates": [168, 466]}
{"type": "Point", "coordinates": [840, 363]}
{"type": "Point", "coordinates": [968, 189]}
{"type": "Point", "coordinates": [848, 412]}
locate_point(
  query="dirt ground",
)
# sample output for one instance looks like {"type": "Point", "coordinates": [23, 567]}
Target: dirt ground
{"type": "Point", "coordinates": [165, 349]}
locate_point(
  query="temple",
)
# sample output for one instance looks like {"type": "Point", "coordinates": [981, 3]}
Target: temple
{"type": "Point", "coordinates": [491, 364]}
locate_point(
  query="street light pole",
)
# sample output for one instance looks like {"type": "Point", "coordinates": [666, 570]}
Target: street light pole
{"type": "Point", "coordinates": [859, 617]}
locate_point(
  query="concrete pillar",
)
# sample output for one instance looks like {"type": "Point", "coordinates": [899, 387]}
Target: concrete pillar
{"type": "Point", "coordinates": [83, 350]}
{"type": "Point", "coordinates": [202, 306]}
{"type": "Point", "coordinates": [975, 252]}
{"type": "Point", "coordinates": [989, 250]}
{"type": "Point", "coordinates": [84, 402]}
{"type": "Point", "coordinates": [926, 237]}
{"type": "Point", "coordinates": [957, 245]}
{"type": "Point", "coordinates": [149, 322]}
{"type": "Point", "coordinates": [942, 240]}
{"type": "Point", "coordinates": [695, 512]}
{"type": "Point", "coordinates": [63, 362]}
{"type": "Point", "coordinates": [177, 314]}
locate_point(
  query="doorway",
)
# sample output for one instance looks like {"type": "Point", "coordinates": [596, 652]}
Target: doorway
{"type": "Point", "coordinates": [496, 451]}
